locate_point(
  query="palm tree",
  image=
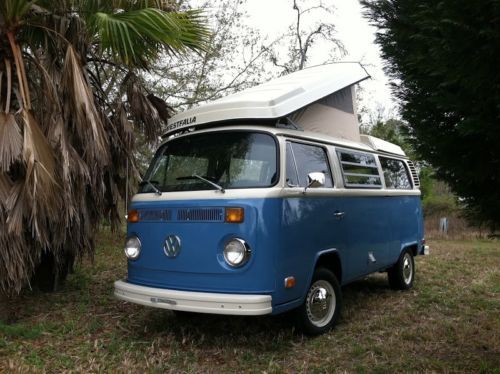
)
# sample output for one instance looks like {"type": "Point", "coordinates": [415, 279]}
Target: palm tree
{"type": "Point", "coordinates": [69, 96]}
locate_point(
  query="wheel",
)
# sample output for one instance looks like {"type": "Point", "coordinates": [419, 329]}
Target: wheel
{"type": "Point", "coordinates": [321, 308]}
{"type": "Point", "coordinates": [402, 274]}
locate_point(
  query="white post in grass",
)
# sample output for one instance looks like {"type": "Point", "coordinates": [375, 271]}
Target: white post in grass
{"type": "Point", "coordinates": [443, 225]}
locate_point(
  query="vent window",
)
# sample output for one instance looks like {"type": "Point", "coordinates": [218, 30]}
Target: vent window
{"type": "Point", "coordinates": [359, 170]}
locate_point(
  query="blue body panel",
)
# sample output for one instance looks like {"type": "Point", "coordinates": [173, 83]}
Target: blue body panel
{"type": "Point", "coordinates": [286, 235]}
{"type": "Point", "coordinates": [200, 265]}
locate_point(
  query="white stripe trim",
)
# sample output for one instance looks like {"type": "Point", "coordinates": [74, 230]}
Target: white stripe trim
{"type": "Point", "coordinates": [247, 193]}
{"type": "Point", "coordinates": [268, 193]}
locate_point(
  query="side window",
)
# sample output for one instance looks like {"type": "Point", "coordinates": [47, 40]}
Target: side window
{"type": "Point", "coordinates": [359, 170]}
{"type": "Point", "coordinates": [395, 174]}
{"type": "Point", "coordinates": [308, 159]}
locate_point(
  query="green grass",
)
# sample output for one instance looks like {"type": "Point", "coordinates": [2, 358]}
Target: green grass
{"type": "Point", "coordinates": [449, 322]}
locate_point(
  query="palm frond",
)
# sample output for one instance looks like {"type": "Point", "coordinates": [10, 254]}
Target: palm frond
{"type": "Point", "coordinates": [163, 109]}
{"type": "Point", "coordinates": [82, 109]}
{"type": "Point", "coordinates": [12, 12]}
{"type": "Point", "coordinates": [165, 5]}
{"type": "Point", "coordinates": [136, 36]}
{"type": "Point", "coordinates": [72, 165]}
{"type": "Point", "coordinates": [86, 7]}
{"type": "Point", "coordinates": [36, 149]}
{"type": "Point", "coordinates": [11, 141]}
{"type": "Point", "coordinates": [5, 186]}
{"type": "Point", "coordinates": [40, 185]}
{"type": "Point", "coordinates": [16, 264]}
{"type": "Point", "coordinates": [142, 110]}
{"type": "Point", "coordinates": [17, 207]}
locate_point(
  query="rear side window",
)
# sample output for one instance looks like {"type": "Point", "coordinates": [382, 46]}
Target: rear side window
{"type": "Point", "coordinates": [395, 174]}
{"type": "Point", "coordinates": [359, 170]}
{"type": "Point", "coordinates": [303, 159]}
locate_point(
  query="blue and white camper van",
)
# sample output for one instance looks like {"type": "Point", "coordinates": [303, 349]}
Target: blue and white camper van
{"type": "Point", "coordinates": [270, 200]}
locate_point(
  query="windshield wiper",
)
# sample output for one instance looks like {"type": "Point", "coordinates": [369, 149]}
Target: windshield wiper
{"type": "Point", "coordinates": [150, 183]}
{"type": "Point", "coordinates": [196, 176]}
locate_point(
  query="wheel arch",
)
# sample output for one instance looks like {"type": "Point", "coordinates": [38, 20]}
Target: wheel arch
{"type": "Point", "coordinates": [412, 247]}
{"type": "Point", "coordinates": [329, 259]}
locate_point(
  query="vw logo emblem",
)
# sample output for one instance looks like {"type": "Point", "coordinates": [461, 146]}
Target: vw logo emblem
{"type": "Point", "coordinates": [172, 246]}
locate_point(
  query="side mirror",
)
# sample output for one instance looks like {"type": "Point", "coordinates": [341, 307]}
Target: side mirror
{"type": "Point", "coordinates": [316, 179]}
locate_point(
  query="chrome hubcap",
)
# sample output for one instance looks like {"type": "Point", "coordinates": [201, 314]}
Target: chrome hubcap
{"type": "Point", "coordinates": [407, 269]}
{"type": "Point", "coordinates": [320, 303]}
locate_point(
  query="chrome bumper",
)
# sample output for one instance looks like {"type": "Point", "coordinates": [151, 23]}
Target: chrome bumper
{"type": "Point", "coordinates": [201, 302]}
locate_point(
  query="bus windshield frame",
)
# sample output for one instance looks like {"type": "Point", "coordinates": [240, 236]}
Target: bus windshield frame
{"type": "Point", "coordinates": [227, 159]}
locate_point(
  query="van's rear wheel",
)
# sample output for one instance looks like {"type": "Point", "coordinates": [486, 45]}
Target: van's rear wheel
{"type": "Point", "coordinates": [321, 308]}
{"type": "Point", "coordinates": [402, 274]}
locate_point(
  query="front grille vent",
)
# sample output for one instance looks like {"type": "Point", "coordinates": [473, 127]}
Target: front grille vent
{"type": "Point", "coordinates": [155, 215]}
{"type": "Point", "coordinates": [414, 174]}
{"type": "Point", "coordinates": [201, 214]}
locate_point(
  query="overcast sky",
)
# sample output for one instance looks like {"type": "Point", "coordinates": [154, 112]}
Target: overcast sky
{"type": "Point", "coordinates": [273, 17]}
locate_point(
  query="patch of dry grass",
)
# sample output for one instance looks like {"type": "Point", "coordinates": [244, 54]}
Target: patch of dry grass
{"type": "Point", "coordinates": [449, 322]}
{"type": "Point", "coordinates": [458, 228]}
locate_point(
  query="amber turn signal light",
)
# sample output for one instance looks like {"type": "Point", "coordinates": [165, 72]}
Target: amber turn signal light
{"type": "Point", "coordinates": [289, 282]}
{"type": "Point", "coordinates": [133, 216]}
{"type": "Point", "coordinates": [235, 215]}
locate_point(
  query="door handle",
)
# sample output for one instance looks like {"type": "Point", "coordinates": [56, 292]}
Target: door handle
{"type": "Point", "coordinates": [339, 215]}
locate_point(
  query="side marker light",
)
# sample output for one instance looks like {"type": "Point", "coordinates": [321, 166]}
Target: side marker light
{"type": "Point", "coordinates": [289, 282]}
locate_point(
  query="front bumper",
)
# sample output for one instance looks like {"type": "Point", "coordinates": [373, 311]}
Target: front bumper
{"type": "Point", "coordinates": [187, 301]}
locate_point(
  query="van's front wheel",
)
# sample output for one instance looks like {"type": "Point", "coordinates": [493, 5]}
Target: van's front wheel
{"type": "Point", "coordinates": [321, 308]}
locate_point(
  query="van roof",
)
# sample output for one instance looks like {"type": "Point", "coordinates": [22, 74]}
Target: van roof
{"type": "Point", "coordinates": [274, 99]}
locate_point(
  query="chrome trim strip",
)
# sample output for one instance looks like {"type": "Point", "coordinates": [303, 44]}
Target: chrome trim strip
{"type": "Point", "coordinates": [200, 302]}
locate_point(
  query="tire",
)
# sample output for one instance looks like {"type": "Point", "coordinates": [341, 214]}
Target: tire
{"type": "Point", "coordinates": [322, 305]}
{"type": "Point", "coordinates": [402, 274]}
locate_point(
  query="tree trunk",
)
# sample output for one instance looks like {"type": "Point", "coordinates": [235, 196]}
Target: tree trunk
{"type": "Point", "coordinates": [50, 274]}
{"type": "Point", "coordinates": [7, 313]}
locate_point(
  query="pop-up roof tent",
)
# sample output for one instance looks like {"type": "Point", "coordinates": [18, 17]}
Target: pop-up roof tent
{"type": "Point", "coordinates": [319, 99]}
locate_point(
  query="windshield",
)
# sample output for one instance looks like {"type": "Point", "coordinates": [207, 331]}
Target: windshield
{"type": "Point", "coordinates": [227, 159]}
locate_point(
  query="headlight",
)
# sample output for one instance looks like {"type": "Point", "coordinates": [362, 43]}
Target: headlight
{"type": "Point", "coordinates": [132, 247]}
{"type": "Point", "coordinates": [236, 252]}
